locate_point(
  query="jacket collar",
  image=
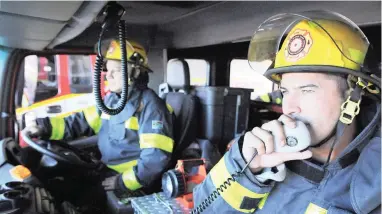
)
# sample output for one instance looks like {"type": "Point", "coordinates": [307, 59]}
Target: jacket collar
{"type": "Point", "coordinates": [369, 121]}
{"type": "Point", "coordinates": [131, 106]}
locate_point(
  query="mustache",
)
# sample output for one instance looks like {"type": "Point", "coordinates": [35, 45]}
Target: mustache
{"type": "Point", "coordinates": [300, 118]}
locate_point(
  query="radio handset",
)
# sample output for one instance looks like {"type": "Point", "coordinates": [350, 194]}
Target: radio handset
{"type": "Point", "coordinates": [297, 139]}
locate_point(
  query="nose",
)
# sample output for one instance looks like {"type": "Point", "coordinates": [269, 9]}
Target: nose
{"type": "Point", "coordinates": [291, 105]}
{"type": "Point", "coordinates": [109, 74]}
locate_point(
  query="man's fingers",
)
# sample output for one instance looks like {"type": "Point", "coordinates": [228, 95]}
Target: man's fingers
{"type": "Point", "coordinates": [251, 144]}
{"type": "Point", "coordinates": [109, 188]}
{"type": "Point", "coordinates": [266, 137]}
{"type": "Point", "coordinates": [288, 121]}
{"type": "Point", "coordinates": [32, 130]}
{"type": "Point", "coordinates": [107, 182]}
{"type": "Point", "coordinates": [296, 155]}
{"type": "Point", "coordinates": [275, 126]}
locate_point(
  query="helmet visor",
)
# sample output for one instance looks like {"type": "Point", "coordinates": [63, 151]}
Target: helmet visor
{"type": "Point", "coordinates": [286, 40]}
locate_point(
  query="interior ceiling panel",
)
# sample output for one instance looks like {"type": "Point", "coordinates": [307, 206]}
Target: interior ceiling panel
{"type": "Point", "coordinates": [193, 24]}
{"type": "Point", "coordinates": [180, 4]}
{"type": "Point", "coordinates": [174, 24]}
{"type": "Point", "coordinates": [33, 25]}
{"type": "Point", "coordinates": [37, 24]}
{"type": "Point", "coordinates": [34, 28]}
{"type": "Point", "coordinates": [147, 12]}
{"type": "Point", "coordinates": [29, 44]}
{"type": "Point", "coordinates": [53, 10]}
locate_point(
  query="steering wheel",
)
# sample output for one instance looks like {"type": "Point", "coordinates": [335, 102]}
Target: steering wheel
{"type": "Point", "coordinates": [61, 151]}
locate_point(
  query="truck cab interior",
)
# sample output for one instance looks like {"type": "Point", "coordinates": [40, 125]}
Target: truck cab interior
{"type": "Point", "coordinates": [198, 53]}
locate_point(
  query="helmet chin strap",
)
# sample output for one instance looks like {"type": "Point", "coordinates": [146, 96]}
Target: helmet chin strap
{"type": "Point", "coordinates": [322, 142]}
{"type": "Point", "coordinates": [337, 138]}
{"type": "Point", "coordinates": [337, 134]}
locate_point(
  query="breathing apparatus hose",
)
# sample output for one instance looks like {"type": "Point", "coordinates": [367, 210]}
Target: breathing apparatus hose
{"type": "Point", "coordinates": [98, 69]}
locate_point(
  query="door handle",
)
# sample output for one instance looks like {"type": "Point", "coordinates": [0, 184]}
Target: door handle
{"type": "Point", "coordinates": [54, 109]}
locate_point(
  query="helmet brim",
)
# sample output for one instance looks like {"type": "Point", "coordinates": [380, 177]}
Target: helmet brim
{"type": "Point", "coordinates": [320, 69]}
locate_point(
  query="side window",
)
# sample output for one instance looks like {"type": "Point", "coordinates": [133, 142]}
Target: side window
{"type": "Point", "coordinates": [55, 85]}
{"type": "Point", "coordinates": [242, 76]}
{"type": "Point", "coordinates": [80, 75]}
{"type": "Point", "coordinates": [40, 79]}
{"type": "Point", "coordinates": [199, 72]}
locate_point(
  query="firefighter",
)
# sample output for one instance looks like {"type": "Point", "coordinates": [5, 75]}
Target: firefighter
{"type": "Point", "coordinates": [329, 81]}
{"type": "Point", "coordinates": [138, 142]}
{"type": "Point", "coordinates": [274, 97]}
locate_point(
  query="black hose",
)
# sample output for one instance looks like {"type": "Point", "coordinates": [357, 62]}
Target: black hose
{"type": "Point", "coordinates": [98, 69]}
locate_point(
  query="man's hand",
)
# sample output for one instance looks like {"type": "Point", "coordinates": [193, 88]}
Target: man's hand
{"type": "Point", "coordinates": [261, 140]}
{"type": "Point", "coordinates": [31, 125]}
{"type": "Point", "coordinates": [110, 183]}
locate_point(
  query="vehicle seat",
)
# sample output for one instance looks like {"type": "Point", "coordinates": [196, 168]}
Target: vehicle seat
{"type": "Point", "coordinates": [177, 95]}
{"type": "Point", "coordinates": [224, 113]}
{"type": "Point", "coordinates": [177, 78]}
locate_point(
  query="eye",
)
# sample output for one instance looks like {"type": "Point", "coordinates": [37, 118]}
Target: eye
{"type": "Point", "coordinates": [305, 91]}
{"type": "Point", "coordinates": [283, 92]}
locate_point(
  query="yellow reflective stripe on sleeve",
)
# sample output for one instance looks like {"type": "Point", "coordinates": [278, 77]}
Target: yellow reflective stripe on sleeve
{"type": "Point", "coordinates": [235, 193]}
{"type": "Point", "coordinates": [265, 98]}
{"type": "Point", "coordinates": [170, 109]}
{"type": "Point", "coordinates": [157, 141]}
{"type": "Point", "coordinates": [105, 116]}
{"type": "Point", "coordinates": [278, 101]}
{"type": "Point", "coordinates": [262, 202]}
{"type": "Point", "coordinates": [132, 123]}
{"type": "Point", "coordinates": [314, 209]}
{"type": "Point", "coordinates": [123, 167]}
{"type": "Point", "coordinates": [130, 180]}
{"type": "Point", "coordinates": [58, 128]}
{"type": "Point", "coordinates": [93, 118]}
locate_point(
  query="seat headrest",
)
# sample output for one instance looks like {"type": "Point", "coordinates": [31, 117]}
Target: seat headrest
{"type": "Point", "coordinates": [178, 74]}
